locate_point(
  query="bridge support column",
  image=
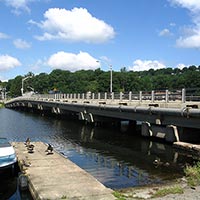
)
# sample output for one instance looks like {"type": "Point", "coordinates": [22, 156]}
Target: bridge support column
{"type": "Point", "coordinates": [87, 117]}
{"type": "Point", "coordinates": [146, 129]}
{"type": "Point", "coordinates": [167, 133]}
{"type": "Point", "coordinates": [56, 110]}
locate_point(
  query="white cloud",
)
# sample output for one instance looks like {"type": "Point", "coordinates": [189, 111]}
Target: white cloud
{"type": "Point", "coordinates": [192, 37]}
{"type": "Point", "coordinates": [39, 65]}
{"type": "Point", "coordinates": [73, 62]}
{"type": "Point", "coordinates": [8, 62]}
{"type": "Point", "coordinates": [73, 25]}
{"type": "Point", "coordinates": [2, 79]}
{"type": "Point", "coordinates": [192, 41]}
{"type": "Point", "coordinates": [181, 66]}
{"type": "Point", "coordinates": [18, 5]}
{"type": "Point", "coordinates": [142, 65]}
{"type": "Point", "coordinates": [193, 5]}
{"type": "Point", "coordinates": [3, 36]}
{"type": "Point", "coordinates": [21, 44]}
{"type": "Point", "coordinates": [165, 32]}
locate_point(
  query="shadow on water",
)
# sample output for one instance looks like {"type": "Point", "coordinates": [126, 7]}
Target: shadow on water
{"type": "Point", "coordinates": [117, 160]}
{"type": "Point", "coordinates": [9, 187]}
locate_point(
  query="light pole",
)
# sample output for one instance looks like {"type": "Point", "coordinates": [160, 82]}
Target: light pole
{"type": "Point", "coordinates": [111, 76]}
{"type": "Point", "coordinates": [22, 89]}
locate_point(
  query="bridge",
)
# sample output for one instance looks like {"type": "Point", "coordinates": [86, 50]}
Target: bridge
{"type": "Point", "coordinates": [164, 114]}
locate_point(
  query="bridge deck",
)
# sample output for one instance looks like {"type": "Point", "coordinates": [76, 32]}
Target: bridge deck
{"type": "Point", "coordinates": [51, 176]}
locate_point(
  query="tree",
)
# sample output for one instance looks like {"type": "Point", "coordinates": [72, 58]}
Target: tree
{"type": "Point", "coordinates": [14, 86]}
{"type": "Point", "coordinates": [99, 81]}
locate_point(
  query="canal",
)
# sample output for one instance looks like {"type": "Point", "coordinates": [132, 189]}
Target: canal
{"type": "Point", "coordinates": [116, 159]}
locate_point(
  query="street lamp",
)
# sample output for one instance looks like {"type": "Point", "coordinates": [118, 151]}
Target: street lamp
{"type": "Point", "coordinates": [111, 76]}
{"type": "Point", "coordinates": [22, 89]}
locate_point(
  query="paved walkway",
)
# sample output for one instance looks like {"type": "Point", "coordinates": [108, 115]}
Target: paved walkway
{"type": "Point", "coordinates": [55, 177]}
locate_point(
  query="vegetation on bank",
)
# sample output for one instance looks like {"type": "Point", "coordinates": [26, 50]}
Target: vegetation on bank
{"type": "Point", "coordinates": [1, 105]}
{"type": "Point", "coordinates": [193, 174]}
{"type": "Point", "coordinates": [119, 196]}
{"type": "Point", "coordinates": [99, 81]}
{"type": "Point", "coordinates": [170, 190]}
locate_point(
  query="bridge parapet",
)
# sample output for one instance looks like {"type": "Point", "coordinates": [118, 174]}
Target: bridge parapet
{"type": "Point", "coordinates": [162, 99]}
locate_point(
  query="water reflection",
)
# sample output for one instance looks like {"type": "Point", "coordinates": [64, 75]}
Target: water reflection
{"type": "Point", "coordinates": [115, 159]}
{"type": "Point", "coordinates": [129, 161]}
{"type": "Point", "coordinates": [9, 187]}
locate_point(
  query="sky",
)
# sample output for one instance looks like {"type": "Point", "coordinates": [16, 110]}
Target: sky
{"type": "Point", "coordinates": [42, 35]}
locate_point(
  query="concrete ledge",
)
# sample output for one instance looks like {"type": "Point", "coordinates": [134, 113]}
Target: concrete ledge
{"type": "Point", "coordinates": [193, 148]}
{"type": "Point", "coordinates": [52, 176]}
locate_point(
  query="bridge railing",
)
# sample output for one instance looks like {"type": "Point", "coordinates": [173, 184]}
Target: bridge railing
{"type": "Point", "coordinates": [149, 96]}
{"type": "Point", "coordinates": [193, 94]}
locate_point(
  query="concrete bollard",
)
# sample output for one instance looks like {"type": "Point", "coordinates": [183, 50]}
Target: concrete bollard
{"type": "Point", "coordinates": [23, 182]}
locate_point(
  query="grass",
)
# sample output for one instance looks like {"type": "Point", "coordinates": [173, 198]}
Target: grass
{"type": "Point", "coordinates": [165, 191]}
{"type": "Point", "coordinates": [119, 196]}
{"type": "Point", "coordinates": [193, 174]}
{"type": "Point", "coordinates": [64, 197]}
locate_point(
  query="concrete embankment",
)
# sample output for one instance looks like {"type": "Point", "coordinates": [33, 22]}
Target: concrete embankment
{"type": "Point", "coordinates": [52, 176]}
{"type": "Point", "coordinates": [188, 147]}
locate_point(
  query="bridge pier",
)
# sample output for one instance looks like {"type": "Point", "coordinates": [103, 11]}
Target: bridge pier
{"type": "Point", "coordinates": [168, 133]}
{"type": "Point", "coordinates": [87, 117]}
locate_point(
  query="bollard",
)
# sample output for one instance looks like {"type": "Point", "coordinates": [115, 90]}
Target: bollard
{"type": "Point", "coordinates": [23, 182]}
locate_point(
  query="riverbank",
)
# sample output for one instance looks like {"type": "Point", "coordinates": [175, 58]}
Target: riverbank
{"type": "Point", "coordinates": [174, 190]}
{"type": "Point", "coordinates": [187, 187]}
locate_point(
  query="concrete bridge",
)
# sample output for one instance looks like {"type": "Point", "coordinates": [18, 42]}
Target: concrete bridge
{"type": "Point", "coordinates": [170, 115]}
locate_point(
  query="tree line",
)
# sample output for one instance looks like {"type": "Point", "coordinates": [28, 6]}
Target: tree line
{"type": "Point", "coordinates": [99, 81]}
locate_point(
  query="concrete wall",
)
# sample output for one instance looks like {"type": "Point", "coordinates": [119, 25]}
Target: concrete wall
{"type": "Point", "coordinates": [167, 133]}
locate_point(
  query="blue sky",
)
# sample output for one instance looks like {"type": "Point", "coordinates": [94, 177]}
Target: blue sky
{"type": "Point", "coordinates": [42, 35]}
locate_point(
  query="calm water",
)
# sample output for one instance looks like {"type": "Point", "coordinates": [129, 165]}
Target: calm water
{"type": "Point", "coordinates": [116, 159]}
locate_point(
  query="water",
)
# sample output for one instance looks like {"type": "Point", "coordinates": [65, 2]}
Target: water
{"type": "Point", "coordinates": [117, 160]}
